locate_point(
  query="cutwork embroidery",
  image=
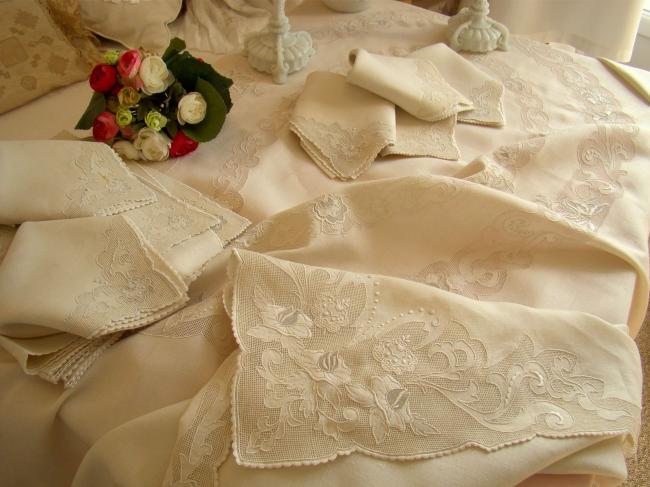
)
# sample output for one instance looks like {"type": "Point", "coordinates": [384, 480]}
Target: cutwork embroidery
{"type": "Point", "coordinates": [494, 176]}
{"type": "Point", "coordinates": [104, 186]}
{"type": "Point", "coordinates": [204, 443]}
{"type": "Point", "coordinates": [333, 214]}
{"type": "Point", "coordinates": [587, 198]}
{"type": "Point", "coordinates": [481, 269]}
{"type": "Point", "coordinates": [130, 290]}
{"type": "Point", "coordinates": [599, 104]}
{"type": "Point", "coordinates": [418, 138]}
{"type": "Point", "coordinates": [488, 109]}
{"type": "Point", "coordinates": [207, 318]}
{"type": "Point", "coordinates": [437, 99]}
{"type": "Point", "coordinates": [534, 119]}
{"type": "Point", "coordinates": [394, 382]}
{"type": "Point", "coordinates": [343, 152]}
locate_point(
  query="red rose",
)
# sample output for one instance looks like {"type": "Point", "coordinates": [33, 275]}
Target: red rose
{"type": "Point", "coordinates": [103, 78]}
{"type": "Point", "coordinates": [182, 144]}
{"type": "Point", "coordinates": [129, 64]}
{"type": "Point", "coordinates": [105, 127]}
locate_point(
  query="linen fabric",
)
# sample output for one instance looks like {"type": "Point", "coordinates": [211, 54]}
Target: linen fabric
{"type": "Point", "coordinates": [120, 249]}
{"type": "Point", "coordinates": [484, 92]}
{"type": "Point", "coordinates": [636, 79]}
{"type": "Point", "coordinates": [343, 128]}
{"type": "Point", "coordinates": [501, 227]}
{"type": "Point", "coordinates": [415, 85]}
{"type": "Point", "coordinates": [222, 26]}
{"type": "Point", "coordinates": [140, 24]}
{"type": "Point", "coordinates": [71, 179]}
{"type": "Point", "coordinates": [415, 137]}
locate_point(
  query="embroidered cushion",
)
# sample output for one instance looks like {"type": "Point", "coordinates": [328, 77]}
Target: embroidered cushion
{"type": "Point", "coordinates": [35, 56]}
{"type": "Point", "coordinates": [134, 23]}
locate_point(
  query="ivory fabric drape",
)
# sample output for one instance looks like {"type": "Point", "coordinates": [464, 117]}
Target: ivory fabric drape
{"type": "Point", "coordinates": [597, 27]}
{"type": "Point", "coordinates": [538, 234]}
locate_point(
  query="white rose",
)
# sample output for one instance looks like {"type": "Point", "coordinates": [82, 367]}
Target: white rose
{"type": "Point", "coordinates": [191, 108]}
{"type": "Point", "coordinates": [153, 145]}
{"type": "Point", "coordinates": [126, 150]}
{"type": "Point", "coordinates": [154, 74]}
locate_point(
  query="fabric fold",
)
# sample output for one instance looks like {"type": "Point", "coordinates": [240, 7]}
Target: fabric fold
{"type": "Point", "coordinates": [416, 137]}
{"type": "Point", "coordinates": [65, 179]}
{"type": "Point", "coordinates": [484, 92]}
{"type": "Point", "coordinates": [636, 79]}
{"type": "Point", "coordinates": [114, 249]}
{"type": "Point", "coordinates": [413, 84]}
{"type": "Point", "coordinates": [342, 127]}
{"type": "Point", "coordinates": [388, 367]}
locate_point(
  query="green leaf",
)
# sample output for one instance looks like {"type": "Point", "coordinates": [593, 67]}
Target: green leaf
{"type": "Point", "coordinates": [171, 128]}
{"type": "Point", "coordinates": [96, 106]}
{"type": "Point", "coordinates": [176, 45]}
{"type": "Point", "coordinates": [187, 69]}
{"type": "Point", "coordinates": [215, 114]}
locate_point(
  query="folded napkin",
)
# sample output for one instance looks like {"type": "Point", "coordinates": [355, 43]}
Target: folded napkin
{"type": "Point", "coordinates": [484, 92]}
{"type": "Point", "coordinates": [413, 84]}
{"type": "Point", "coordinates": [85, 276]}
{"type": "Point", "coordinates": [418, 138]}
{"type": "Point", "coordinates": [637, 79]}
{"type": "Point", "coordinates": [54, 179]}
{"type": "Point", "coordinates": [70, 287]}
{"type": "Point", "coordinates": [228, 224]}
{"type": "Point", "coordinates": [342, 127]}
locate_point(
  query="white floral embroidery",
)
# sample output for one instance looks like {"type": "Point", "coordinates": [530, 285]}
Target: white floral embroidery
{"type": "Point", "coordinates": [380, 385]}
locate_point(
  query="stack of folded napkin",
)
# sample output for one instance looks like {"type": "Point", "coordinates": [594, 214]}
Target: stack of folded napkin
{"type": "Point", "coordinates": [392, 106]}
{"type": "Point", "coordinates": [101, 249]}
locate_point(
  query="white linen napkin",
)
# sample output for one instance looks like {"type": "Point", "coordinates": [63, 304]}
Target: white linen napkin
{"type": "Point", "coordinates": [342, 127]}
{"type": "Point", "coordinates": [484, 92]}
{"type": "Point", "coordinates": [70, 287]}
{"type": "Point", "coordinates": [413, 84]}
{"type": "Point", "coordinates": [84, 276]}
{"type": "Point", "coordinates": [54, 179]}
{"type": "Point", "coordinates": [416, 137]}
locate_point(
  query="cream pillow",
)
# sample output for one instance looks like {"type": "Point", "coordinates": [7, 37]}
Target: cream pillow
{"type": "Point", "coordinates": [133, 23]}
{"type": "Point", "coordinates": [35, 56]}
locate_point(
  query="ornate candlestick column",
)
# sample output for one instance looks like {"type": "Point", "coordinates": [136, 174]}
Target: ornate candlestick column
{"type": "Point", "coordinates": [277, 50]}
{"type": "Point", "coordinates": [472, 30]}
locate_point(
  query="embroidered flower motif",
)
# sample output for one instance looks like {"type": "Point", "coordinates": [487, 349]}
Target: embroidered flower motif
{"type": "Point", "coordinates": [278, 322]}
{"type": "Point", "coordinates": [332, 212]}
{"type": "Point", "coordinates": [333, 312]}
{"type": "Point", "coordinates": [327, 366]}
{"type": "Point", "coordinates": [136, 290]}
{"type": "Point", "coordinates": [395, 356]}
{"type": "Point", "coordinates": [393, 401]}
{"type": "Point", "coordinates": [178, 221]}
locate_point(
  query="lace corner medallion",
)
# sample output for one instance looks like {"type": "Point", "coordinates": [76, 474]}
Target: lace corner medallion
{"type": "Point", "coordinates": [334, 362]}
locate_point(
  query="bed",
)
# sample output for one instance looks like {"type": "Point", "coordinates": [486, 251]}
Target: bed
{"type": "Point", "coordinates": [499, 295]}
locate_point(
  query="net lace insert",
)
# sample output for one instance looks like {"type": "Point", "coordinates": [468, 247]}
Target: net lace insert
{"type": "Point", "coordinates": [334, 362]}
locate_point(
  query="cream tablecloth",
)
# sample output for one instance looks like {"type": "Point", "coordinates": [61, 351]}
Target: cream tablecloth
{"type": "Point", "coordinates": [533, 248]}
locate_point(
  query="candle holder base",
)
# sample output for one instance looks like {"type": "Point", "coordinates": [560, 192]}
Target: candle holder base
{"type": "Point", "coordinates": [279, 54]}
{"type": "Point", "coordinates": [472, 30]}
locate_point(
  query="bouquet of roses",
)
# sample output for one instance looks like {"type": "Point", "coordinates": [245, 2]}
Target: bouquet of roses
{"type": "Point", "coordinates": [153, 107]}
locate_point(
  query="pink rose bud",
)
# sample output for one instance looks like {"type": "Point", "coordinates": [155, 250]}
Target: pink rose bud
{"type": "Point", "coordinates": [129, 64]}
{"type": "Point", "coordinates": [105, 127]}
